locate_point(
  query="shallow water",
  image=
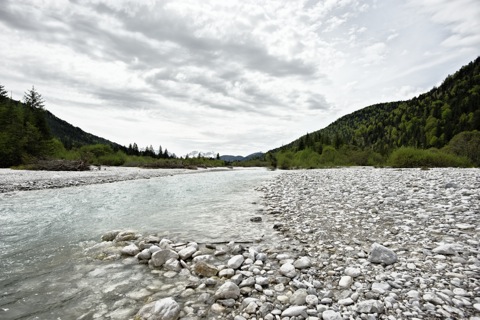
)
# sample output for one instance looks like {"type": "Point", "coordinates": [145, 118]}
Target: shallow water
{"type": "Point", "coordinates": [44, 272]}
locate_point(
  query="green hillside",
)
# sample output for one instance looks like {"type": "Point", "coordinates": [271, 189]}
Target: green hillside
{"type": "Point", "coordinates": [371, 134]}
{"type": "Point", "coordinates": [72, 136]}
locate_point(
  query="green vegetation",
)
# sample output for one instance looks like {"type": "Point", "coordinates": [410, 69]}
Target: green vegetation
{"type": "Point", "coordinates": [33, 138]}
{"type": "Point", "coordinates": [436, 129]}
{"type": "Point", "coordinates": [407, 157]}
{"type": "Point", "coordinates": [24, 134]}
{"type": "Point", "coordinates": [441, 124]}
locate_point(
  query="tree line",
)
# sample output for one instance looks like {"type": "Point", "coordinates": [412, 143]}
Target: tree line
{"type": "Point", "coordinates": [29, 134]}
{"type": "Point", "coordinates": [24, 133]}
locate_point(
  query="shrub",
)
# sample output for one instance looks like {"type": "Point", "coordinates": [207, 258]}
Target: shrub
{"type": "Point", "coordinates": [116, 159]}
{"type": "Point", "coordinates": [285, 159]}
{"type": "Point", "coordinates": [417, 158]}
{"type": "Point", "coordinates": [466, 144]}
{"type": "Point", "coordinates": [307, 158]}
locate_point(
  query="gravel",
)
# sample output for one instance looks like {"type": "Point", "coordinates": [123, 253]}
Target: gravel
{"type": "Point", "coordinates": [357, 243]}
{"type": "Point", "coordinates": [24, 180]}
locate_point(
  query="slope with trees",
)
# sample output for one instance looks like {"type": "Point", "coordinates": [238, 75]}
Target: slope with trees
{"type": "Point", "coordinates": [24, 133]}
{"type": "Point", "coordinates": [370, 135]}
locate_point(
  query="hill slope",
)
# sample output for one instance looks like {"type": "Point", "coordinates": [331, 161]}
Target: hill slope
{"type": "Point", "coordinates": [72, 136]}
{"type": "Point", "coordinates": [429, 120]}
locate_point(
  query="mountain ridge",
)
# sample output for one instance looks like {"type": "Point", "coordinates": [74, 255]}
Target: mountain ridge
{"type": "Point", "coordinates": [72, 136]}
{"type": "Point", "coordinates": [428, 120]}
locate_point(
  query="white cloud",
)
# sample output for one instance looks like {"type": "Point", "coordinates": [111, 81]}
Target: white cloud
{"type": "Point", "coordinates": [374, 54]}
{"type": "Point", "coordinates": [461, 18]}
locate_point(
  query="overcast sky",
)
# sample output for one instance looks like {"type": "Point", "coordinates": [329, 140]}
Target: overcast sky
{"type": "Point", "coordinates": [233, 77]}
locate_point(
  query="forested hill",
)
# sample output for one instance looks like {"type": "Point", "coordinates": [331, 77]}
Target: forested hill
{"type": "Point", "coordinates": [427, 121]}
{"type": "Point", "coordinates": [72, 136]}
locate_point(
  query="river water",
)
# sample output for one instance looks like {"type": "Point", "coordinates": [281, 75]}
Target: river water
{"type": "Point", "coordinates": [45, 273]}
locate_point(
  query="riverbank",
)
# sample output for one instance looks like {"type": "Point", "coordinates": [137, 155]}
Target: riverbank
{"type": "Point", "coordinates": [357, 243]}
{"type": "Point", "coordinates": [24, 180]}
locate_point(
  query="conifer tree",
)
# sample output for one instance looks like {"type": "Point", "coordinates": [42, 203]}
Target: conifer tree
{"type": "Point", "coordinates": [33, 99]}
{"type": "Point", "coordinates": [3, 92]}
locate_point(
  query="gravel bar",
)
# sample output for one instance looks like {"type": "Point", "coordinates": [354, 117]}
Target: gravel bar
{"type": "Point", "coordinates": [355, 243]}
{"type": "Point", "coordinates": [24, 180]}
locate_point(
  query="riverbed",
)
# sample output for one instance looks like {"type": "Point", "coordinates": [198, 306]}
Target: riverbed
{"type": "Point", "coordinates": [44, 273]}
{"type": "Point", "coordinates": [359, 243]}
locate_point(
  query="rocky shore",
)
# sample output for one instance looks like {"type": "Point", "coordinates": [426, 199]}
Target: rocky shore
{"type": "Point", "coordinates": [358, 243]}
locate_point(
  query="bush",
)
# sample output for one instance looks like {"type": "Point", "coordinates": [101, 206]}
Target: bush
{"type": "Point", "coordinates": [331, 157]}
{"type": "Point", "coordinates": [417, 158]}
{"type": "Point", "coordinates": [285, 160]}
{"type": "Point", "coordinates": [307, 158]}
{"type": "Point", "coordinates": [116, 159]}
{"type": "Point", "coordinates": [466, 144]}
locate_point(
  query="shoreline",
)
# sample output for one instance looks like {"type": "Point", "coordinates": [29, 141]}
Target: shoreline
{"type": "Point", "coordinates": [357, 243]}
{"type": "Point", "coordinates": [26, 180]}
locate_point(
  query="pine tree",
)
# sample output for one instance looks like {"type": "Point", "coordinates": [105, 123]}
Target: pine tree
{"type": "Point", "coordinates": [160, 152]}
{"type": "Point", "coordinates": [3, 92]}
{"type": "Point", "coordinates": [33, 99]}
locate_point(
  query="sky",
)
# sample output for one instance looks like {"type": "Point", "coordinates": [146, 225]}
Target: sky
{"type": "Point", "coordinates": [233, 77]}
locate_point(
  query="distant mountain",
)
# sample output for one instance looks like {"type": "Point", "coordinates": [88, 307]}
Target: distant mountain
{"type": "Point", "coordinates": [429, 120]}
{"type": "Point", "coordinates": [229, 158]}
{"type": "Point", "coordinates": [196, 154]}
{"type": "Point", "coordinates": [72, 136]}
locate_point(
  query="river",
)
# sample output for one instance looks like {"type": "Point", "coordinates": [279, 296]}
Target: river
{"type": "Point", "coordinates": [44, 271]}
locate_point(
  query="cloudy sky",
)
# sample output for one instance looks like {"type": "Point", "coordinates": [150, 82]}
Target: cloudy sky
{"type": "Point", "coordinates": [234, 77]}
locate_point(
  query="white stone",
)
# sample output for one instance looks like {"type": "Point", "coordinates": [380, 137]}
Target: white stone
{"type": "Point", "coordinates": [380, 288]}
{"type": "Point", "coordinates": [165, 244]}
{"type": "Point", "coordinates": [187, 252]}
{"type": "Point", "coordinates": [431, 297]}
{"type": "Point", "coordinates": [346, 301]}
{"type": "Point", "coordinates": [288, 270]}
{"type": "Point", "coordinates": [381, 254]}
{"type": "Point", "coordinates": [302, 263]}
{"type": "Point", "coordinates": [160, 257]}
{"type": "Point", "coordinates": [228, 290]}
{"type": "Point", "coordinates": [217, 308]}
{"type": "Point", "coordinates": [311, 300]}
{"type": "Point", "coordinates": [353, 272]}
{"type": "Point", "coordinates": [130, 250]}
{"type": "Point", "coordinates": [165, 309]}
{"type": "Point", "coordinates": [331, 315]}
{"type": "Point", "coordinates": [448, 249]}
{"type": "Point", "coordinates": [235, 262]}
{"type": "Point", "coordinates": [145, 254]}
{"type": "Point", "coordinates": [370, 306]}
{"type": "Point", "coordinates": [172, 264]}
{"type": "Point", "coordinates": [227, 273]}
{"type": "Point", "coordinates": [295, 311]}
{"type": "Point", "coordinates": [345, 281]}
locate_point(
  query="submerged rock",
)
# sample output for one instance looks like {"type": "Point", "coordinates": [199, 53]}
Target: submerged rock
{"type": "Point", "coordinates": [110, 236]}
{"type": "Point", "coordinates": [204, 269]}
{"type": "Point", "coordinates": [161, 256]}
{"type": "Point", "coordinates": [126, 236]}
{"type": "Point", "coordinates": [164, 309]}
{"type": "Point", "coordinates": [130, 250]}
